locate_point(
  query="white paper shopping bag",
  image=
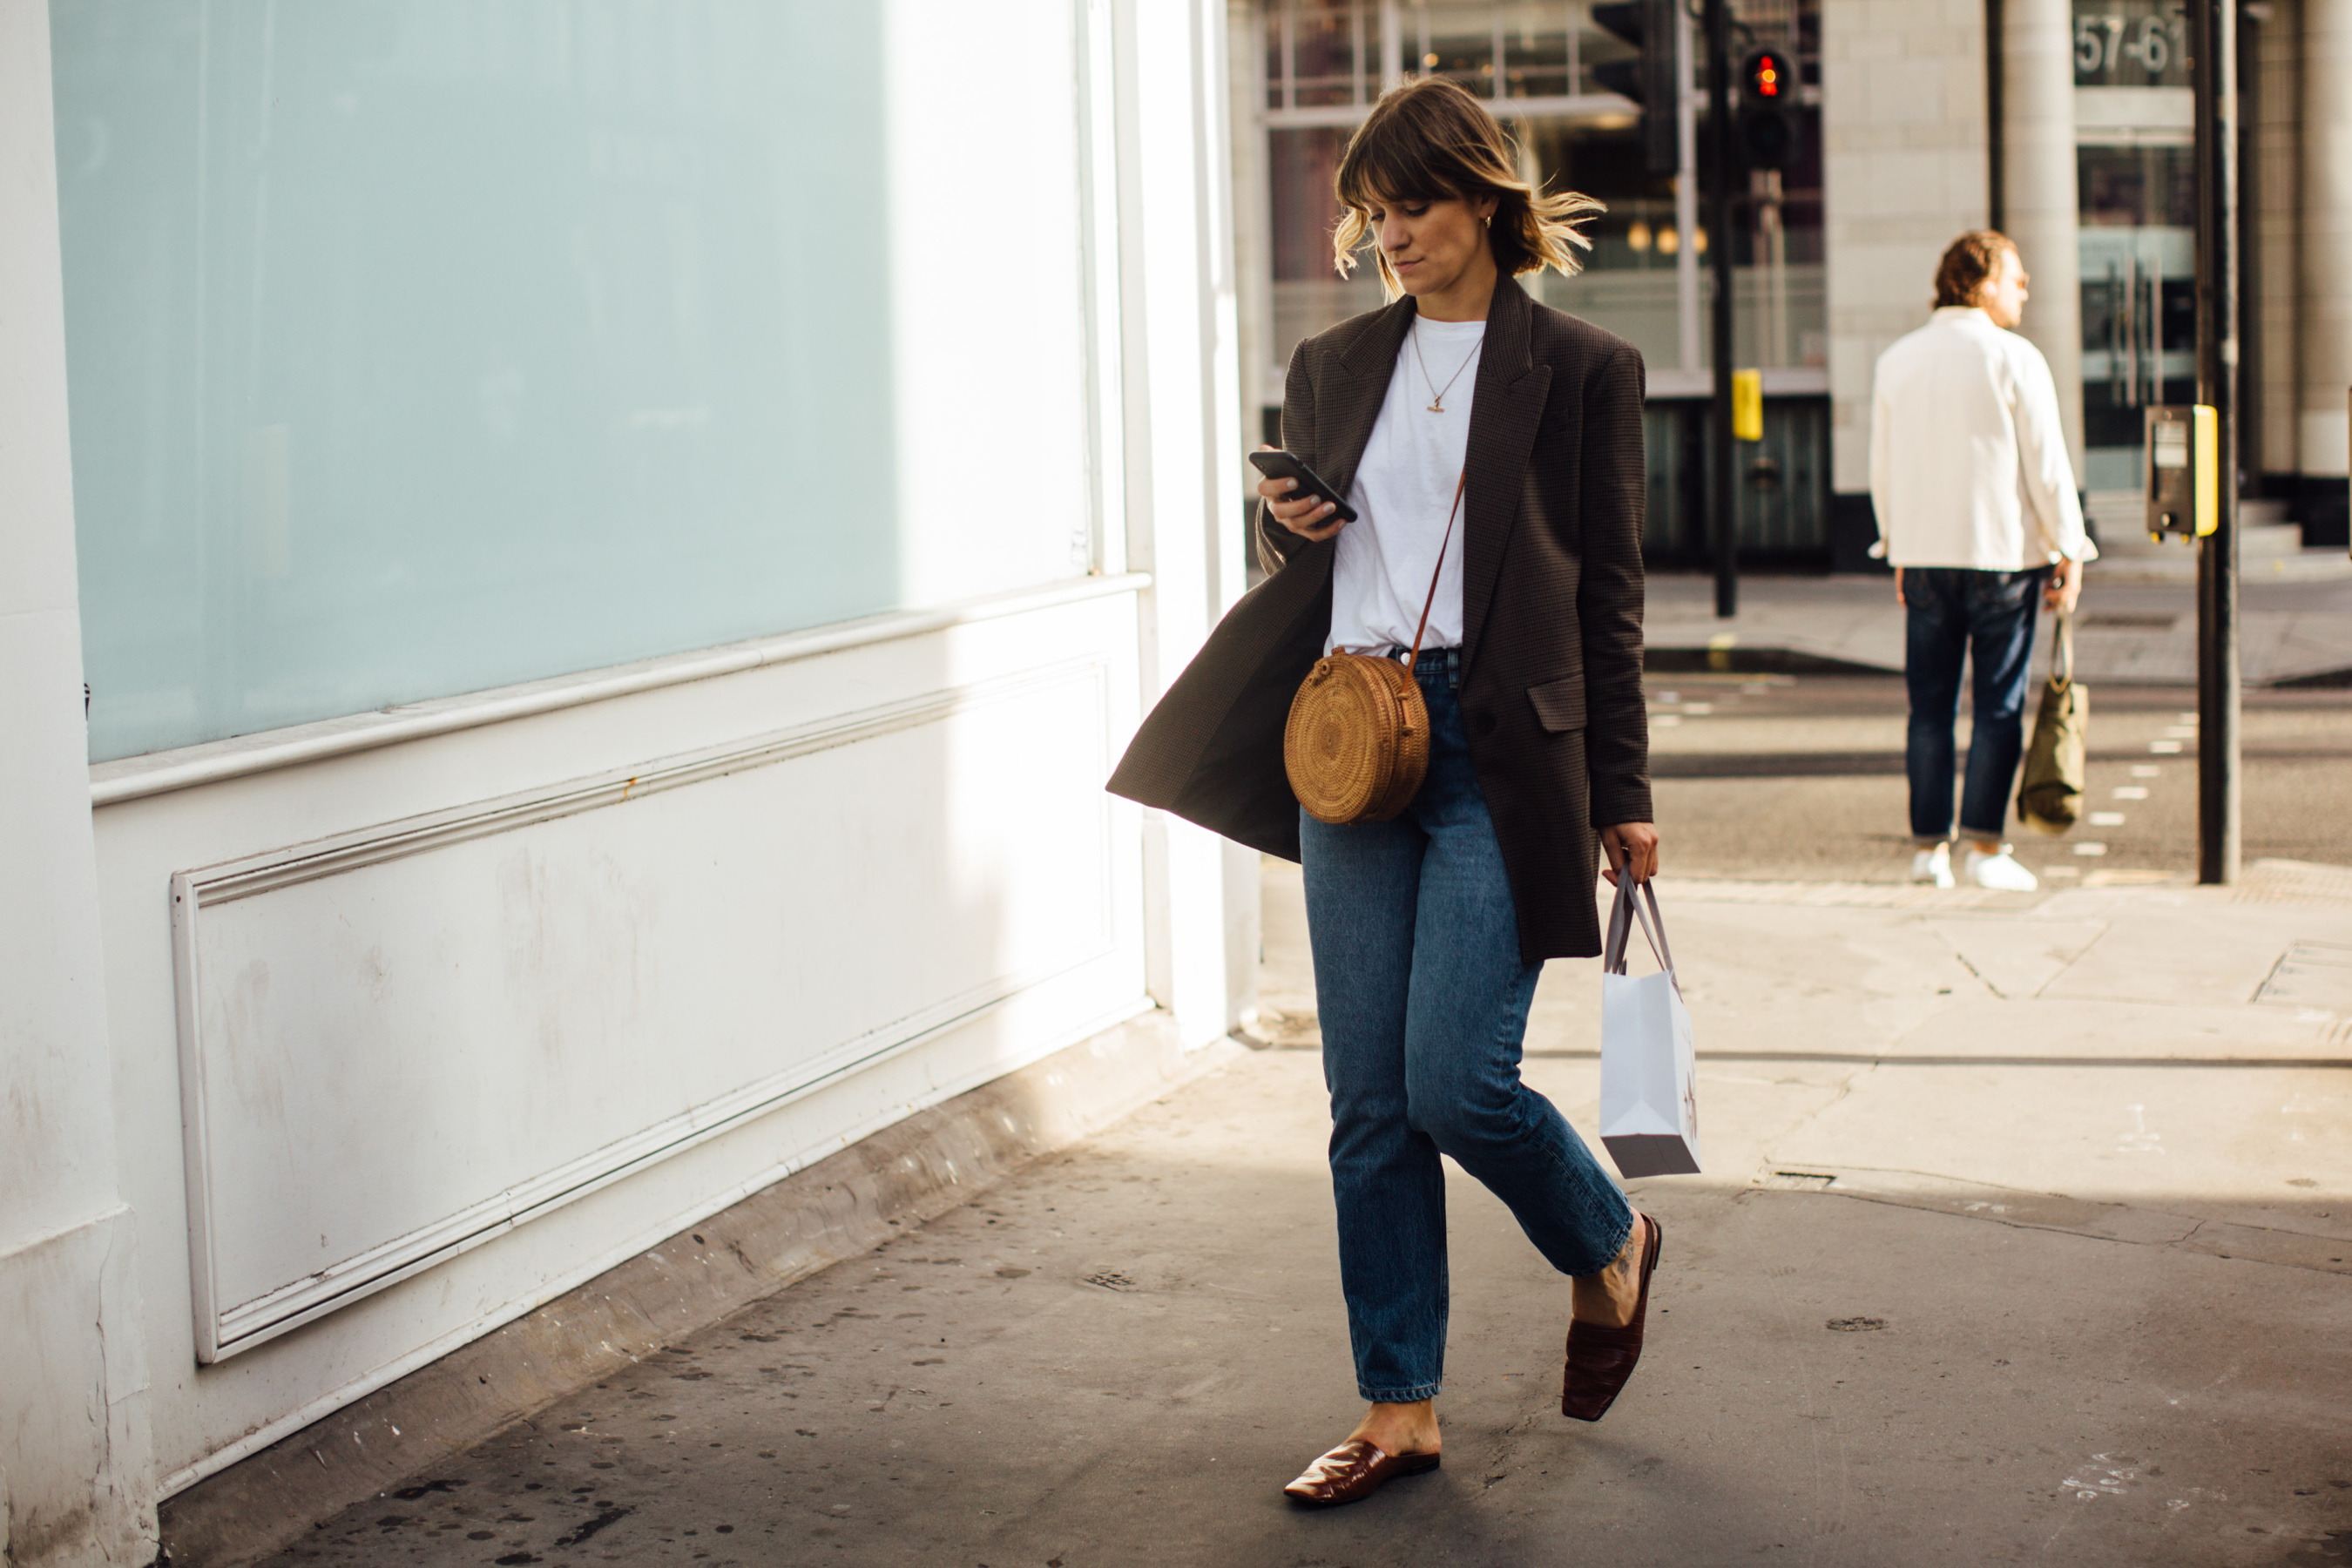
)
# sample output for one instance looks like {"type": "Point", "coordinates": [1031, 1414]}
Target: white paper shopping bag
{"type": "Point", "coordinates": [1649, 1100]}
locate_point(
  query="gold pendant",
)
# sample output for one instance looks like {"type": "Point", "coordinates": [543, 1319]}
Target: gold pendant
{"type": "Point", "coordinates": [1438, 407]}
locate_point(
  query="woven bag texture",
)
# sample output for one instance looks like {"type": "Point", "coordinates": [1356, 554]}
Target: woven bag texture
{"type": "Point", "coordinates": [1357, 743]}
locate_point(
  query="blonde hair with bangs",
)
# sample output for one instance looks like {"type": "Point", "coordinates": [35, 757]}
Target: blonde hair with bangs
{"type": "Point", "coordinates": [1430, 140]}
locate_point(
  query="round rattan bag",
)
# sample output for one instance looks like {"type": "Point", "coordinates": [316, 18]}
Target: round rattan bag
{"type": "Point", "coordinates": [1357, 743]}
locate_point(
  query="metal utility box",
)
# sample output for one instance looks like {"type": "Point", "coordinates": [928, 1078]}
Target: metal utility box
{"type": "Point", "coordinates": [2184, 455]}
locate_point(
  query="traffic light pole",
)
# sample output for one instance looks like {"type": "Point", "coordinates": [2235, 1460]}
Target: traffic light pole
{"type": "Point", "coordinates": [2212, 41]}
{"type": "Point", "coordinates": [1720, 488]}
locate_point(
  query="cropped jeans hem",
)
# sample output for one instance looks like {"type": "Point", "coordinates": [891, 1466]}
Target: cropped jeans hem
{"type": "Point", "coordinates": [1615, 1247]}
{"type": "Point", "coordinates": [1413, 1395]}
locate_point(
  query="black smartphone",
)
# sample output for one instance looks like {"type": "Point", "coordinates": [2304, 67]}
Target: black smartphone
{"type": "Point", "coordinates": [1287, 465]}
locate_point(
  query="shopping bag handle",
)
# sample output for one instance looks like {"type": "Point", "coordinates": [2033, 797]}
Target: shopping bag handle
{"type": "Point", "coordinates": [1629, 907]}
{"type": "Point", "coordinates": [2062, 647]}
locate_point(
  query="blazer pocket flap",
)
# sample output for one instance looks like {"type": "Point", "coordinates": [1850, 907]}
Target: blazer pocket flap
{"type": "Point", "coordinates": [1560, 704]}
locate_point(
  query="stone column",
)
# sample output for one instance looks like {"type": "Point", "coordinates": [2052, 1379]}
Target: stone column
{"type": "Point", "coordinates": [1903, 167]}
{"type": "Point", "coordinates": [2325, 327]}
{"type": "Point", "coordinates": [2037, 51]}
{"type": "Point", "coordinates": [2274, 190]}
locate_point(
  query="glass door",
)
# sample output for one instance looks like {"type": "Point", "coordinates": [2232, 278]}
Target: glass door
{"type": "Point", "coordinates": [2139, 286]}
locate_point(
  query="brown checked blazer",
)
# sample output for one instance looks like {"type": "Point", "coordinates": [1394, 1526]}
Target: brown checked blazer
{"type": "Point", "coordinates": [1551, 600]}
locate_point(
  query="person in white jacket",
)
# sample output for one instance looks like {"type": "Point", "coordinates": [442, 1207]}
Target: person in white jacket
{"type": "Point", "coordinates": [1979, 516]}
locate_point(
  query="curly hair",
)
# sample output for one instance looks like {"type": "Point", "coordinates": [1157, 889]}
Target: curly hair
{"type": "Point", "coordinates": [1969, 260]}
{"type": "Point", "coordinates": [1430, 140]}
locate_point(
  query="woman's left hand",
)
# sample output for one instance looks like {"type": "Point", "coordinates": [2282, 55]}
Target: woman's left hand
{"type": "Point", "coordinates": [1632, 848]}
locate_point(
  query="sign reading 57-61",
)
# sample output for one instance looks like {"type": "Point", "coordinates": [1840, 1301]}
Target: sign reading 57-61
{"type": "Point", "coordinates": [2130, 43]}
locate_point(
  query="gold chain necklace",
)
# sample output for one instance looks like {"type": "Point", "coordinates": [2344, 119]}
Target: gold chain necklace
{"type": "Point", "coordinates": [1436, 392]}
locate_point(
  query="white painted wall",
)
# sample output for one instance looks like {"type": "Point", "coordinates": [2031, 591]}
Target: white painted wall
{"type": "Point", "coordinates": [472, 977]}
{"type": "Point", "coordinates": [75, 1479]}
{"type": "Point", "coordinates": [1904, 148]}
{"type": "Point", "coordinates": [983, 210]}
{"type": "Point", "coordinates": [1184, 442]}
{"type": "Point", "coordinates": [459, 1005]}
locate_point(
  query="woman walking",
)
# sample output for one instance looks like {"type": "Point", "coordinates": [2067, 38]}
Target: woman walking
{"type": "Point", "coordinates": [1429, 929]}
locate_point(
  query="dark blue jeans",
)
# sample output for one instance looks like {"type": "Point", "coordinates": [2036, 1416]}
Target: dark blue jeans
{"type": "Point", "coordinates": [1424, 1004]}
{"type": "Point", "coordinates": [1987, 618]}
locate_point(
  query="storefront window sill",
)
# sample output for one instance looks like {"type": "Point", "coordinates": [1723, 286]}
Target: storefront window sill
{"type": "Point", "coordinates": [160, 772]}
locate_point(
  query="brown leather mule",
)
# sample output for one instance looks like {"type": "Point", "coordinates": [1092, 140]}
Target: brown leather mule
{"type": "Point", "coordinates": [1352, 1473]}
{"type": "Point", "coordinates": [1600, 1357]}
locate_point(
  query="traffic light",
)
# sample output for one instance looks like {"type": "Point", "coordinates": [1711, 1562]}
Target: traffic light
{"type": "Point", "coordinates": [1651, 78]}
{"type": "Point", "coordinates": [1768, 101]}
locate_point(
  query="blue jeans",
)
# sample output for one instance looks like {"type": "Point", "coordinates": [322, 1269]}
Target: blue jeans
{"type": "Point", "coordinates": [1424, 1003]}
{"type": "Point", "coordinates": [1986, 617]}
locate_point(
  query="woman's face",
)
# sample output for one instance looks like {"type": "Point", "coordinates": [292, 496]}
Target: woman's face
{"type": "Point", "coordinates": [1430, 246]}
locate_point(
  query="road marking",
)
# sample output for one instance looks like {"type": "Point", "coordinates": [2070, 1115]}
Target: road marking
{"type": "Point", "coordinates": [2108, 818]}
{"type": "Point", "coordinates": [2139, 1140]}
{"type": "Point", "coordinates": [2145, 770]}
{"type": "Point", "coordinates": [2181, 732]}
{"type": "Point", "coordinates": [2090, 847]}
{"type": "Point", "coordinates": [2165, 747]}
{"type": "Point", "coordinates": [2131, 792]}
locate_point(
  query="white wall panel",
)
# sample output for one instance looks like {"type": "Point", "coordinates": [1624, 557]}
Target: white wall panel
{"type": "Point", "coordinates": [402, 1041]}
{"type": "Point", "coordinates": [471, 980]}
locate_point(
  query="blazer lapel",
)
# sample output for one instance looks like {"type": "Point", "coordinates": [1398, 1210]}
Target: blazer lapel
{"type": "Point", "coordinates": [1353, 401]}
{"type": "Point", "coordinates": [1503, 418]}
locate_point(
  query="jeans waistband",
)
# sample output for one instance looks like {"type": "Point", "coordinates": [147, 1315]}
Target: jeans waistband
{"type": "Point", "coordinates": [1435, 664]}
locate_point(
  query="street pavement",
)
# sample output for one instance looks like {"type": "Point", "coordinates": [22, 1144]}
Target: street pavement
{"type": "Point", "coordinates": [2023, 1237]}
{"type": "Point", "coordinates": [2130, 629]}
{"type": "Point", "coordinates": [1768, 776]}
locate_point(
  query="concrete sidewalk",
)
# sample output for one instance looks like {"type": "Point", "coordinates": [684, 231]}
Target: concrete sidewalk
{"type": "Point", "coordinates": [2129, 632]}
{"type": "Point", "coordinates": [2025, 1235]}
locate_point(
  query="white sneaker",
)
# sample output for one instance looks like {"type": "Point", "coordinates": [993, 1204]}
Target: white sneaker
{"type": "Point", "coordinates": [2000, 872]}
{"type": "Point", "coordinates": [1932, 866]}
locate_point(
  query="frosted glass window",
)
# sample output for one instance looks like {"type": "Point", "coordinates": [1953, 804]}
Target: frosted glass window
{"type": "Point", "coordinates": [422, 346]}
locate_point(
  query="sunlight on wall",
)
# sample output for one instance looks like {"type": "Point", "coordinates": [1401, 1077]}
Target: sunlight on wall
{"type": "Point", "coordinates": [420, 347]}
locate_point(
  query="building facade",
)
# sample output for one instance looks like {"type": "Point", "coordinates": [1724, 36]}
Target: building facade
{"type": "Point", "coordinates": [2065, 123]}
{"type": "Point", "coordinates": [572, 574]}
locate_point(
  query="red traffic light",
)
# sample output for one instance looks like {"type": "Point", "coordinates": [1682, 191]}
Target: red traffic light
{"type": "Point", "coordinates": [1770, 76]}
{"type": "Point", "coordinates": [1768, 108]}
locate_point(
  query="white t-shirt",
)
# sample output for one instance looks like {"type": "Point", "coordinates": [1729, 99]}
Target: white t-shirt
{"type": "Point", "coordinates": [1402, 489]}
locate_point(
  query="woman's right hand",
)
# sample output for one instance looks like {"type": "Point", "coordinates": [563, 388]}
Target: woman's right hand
{"type": "Point", "coordinates": [1305, 518]}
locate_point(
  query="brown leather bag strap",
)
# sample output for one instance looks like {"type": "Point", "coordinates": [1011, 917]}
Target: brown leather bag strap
{"type": "Point", "coordinates": [1458, 487]}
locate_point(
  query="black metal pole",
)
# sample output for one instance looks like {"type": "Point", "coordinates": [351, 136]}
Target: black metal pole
{"type": "Point", "coordinates": [1996, 116]}
{"type": "Point", "coordinates": [1719, 242]}
{"type": "Point", "coordinates": [2213, 32]}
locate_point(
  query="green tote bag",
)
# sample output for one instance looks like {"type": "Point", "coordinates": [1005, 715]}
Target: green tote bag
{"type": "Point", "coordinates": [2051, 798]}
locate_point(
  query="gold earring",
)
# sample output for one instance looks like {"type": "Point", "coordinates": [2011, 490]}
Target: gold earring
{"type": "Point", "coordinates": [1488, 220]}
